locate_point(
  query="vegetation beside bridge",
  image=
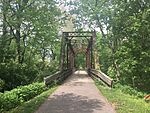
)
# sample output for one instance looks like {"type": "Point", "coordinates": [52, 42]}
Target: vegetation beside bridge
{"type": "Point", "coordinates": [125, 99]}
{"type": "Point", "coordinates": [30, 40]}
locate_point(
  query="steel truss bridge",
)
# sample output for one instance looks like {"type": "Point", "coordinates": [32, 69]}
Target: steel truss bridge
{"type": "Point", "coordinates": [73, 43]}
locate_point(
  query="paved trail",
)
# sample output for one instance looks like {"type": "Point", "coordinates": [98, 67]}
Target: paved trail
{"type": "Point", "coordinates": [77, 95]}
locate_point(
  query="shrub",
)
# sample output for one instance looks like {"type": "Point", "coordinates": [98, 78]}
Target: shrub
{"type": "Point", "coordinates": [29, 91]}
{"type": "Point", "coordinates": [129, 90]}
{"type": "Point", "coordinates": [13, 98]}
{"type": "Point", "coordinates": [10, 100]}
{"type": "Point", "coordinates": [14, 74]}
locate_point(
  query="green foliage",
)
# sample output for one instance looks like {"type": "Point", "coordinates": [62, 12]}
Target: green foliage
{"type": "Point", "coordinates": [105, 55]}
{"type": "Point", "coordinates": [29, 91]}
{"type": "Point", "coordinates": [124, 41]}
{"type": "Point", "coordinates": [33, 104]}
{"type": "Point", "coordinates": [80, 62]}
{"type": "Point", "coordinates": [2, 83]}
{"type": "Point", "coordinates": [10, 100]}
{"type": "Point", "coordinates": [49, 69]}
{"type": "Point", "coordinates": [123, 102]}
{"type": "Point", "coordinates": [29, 43]}
{"type": "Point", "coordinates": [129, 90]}
{"type": "Point", "coordinates": [15, 74]}
{"type": "Point", "coordinates": [15, 97]}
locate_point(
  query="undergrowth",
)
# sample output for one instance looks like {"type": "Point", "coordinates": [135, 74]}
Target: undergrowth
{"type": "Point", "coordinates": [124, 98]}
{"type": "Point", "coordinates": [32, 105]}
{"type": "Point", "coordinates": [19, 95]}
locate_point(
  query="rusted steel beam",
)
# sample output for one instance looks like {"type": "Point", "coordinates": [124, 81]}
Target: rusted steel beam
{"type": "Point", "coordinates": [68, 39]}
{"type": "Point", "coordinates": [91, 51]}
{"type": "Point", "coordinates": [88, 60]}
{"type": "Point", "coordinates": [79, 32]}
{"type": "Point", "coordinates": [71, 48]}
{"type": "Point", "coordinates": [88, 47]}
{"type": "Point", "coordinates": [80, 36]}
{"type": "Point", "coordinates": [62, 53]}
{"type": "Point", "coordinates": [67, 56]}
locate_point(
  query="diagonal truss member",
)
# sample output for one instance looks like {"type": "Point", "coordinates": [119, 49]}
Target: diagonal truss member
{"type": "Point", "coordinates": [74, 42]}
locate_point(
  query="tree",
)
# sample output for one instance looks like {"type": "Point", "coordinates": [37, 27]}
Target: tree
{"type": "Point", "coordinates": [124, 26]}
{"type": "Point", "coordinates": [28, 39]}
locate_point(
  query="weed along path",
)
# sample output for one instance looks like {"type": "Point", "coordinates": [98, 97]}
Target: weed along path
{"type": "Point", "coordinates": [78, 94]}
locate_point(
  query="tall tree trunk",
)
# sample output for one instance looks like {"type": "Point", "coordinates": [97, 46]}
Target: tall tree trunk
{"type": "Point", "coordinates": [18, 42]}
{"type": "Point", "coordinates": [4, 32]}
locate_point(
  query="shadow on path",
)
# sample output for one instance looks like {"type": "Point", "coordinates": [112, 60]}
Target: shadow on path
{"type": "Point", "coordinates": [78, 94]}
{"type": "Point", "coordinates": [79, 104]}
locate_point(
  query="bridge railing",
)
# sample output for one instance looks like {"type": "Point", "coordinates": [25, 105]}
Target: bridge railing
{"type": "Point", "coordinates": [102, 76]}
{"type": "Point", "coordinates": [57, 77]}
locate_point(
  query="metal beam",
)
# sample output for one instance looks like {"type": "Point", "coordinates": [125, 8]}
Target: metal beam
{"type": "Point", "coordinates": [79, 32]}
{"type": "Point", "coordinates": [79, 36]}
{"type": "Point", "coordinates": [67, 46]}
{"type": "Point", "coordinates": [70, 46]}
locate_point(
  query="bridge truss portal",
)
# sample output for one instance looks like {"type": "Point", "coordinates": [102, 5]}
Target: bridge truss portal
{"type": "Point", "coordinates": [74, 43]}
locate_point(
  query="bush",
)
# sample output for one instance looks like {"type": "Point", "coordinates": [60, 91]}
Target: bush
{"type": "Point", "coordinates": [49, 69]}
{"type": "Point", "coordinates": [129, 90]}
{"type": "Point", "coordinates": [13, 98]}
{"type": "Point", "coordinates": [10, 100]}
{"type": "Point", "coordinates": [14, 74]}
{"type": "Point", "coordinates": [29, 91]}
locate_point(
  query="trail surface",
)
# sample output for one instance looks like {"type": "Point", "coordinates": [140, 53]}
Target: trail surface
{"type": "Point", "coordinates": [78, 94]}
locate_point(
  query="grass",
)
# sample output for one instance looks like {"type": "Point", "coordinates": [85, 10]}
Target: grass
{"type": "Point", "coordinates": [124, 103]}
{"type": "Point", "coordinates": [32, 105]}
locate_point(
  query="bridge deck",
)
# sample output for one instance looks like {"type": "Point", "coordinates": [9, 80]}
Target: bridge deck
{"type": "Point", "coordinates": [77, 95]}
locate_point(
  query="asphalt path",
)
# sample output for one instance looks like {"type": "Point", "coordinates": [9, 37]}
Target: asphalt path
{"type": "Point", "coordinates": [78, 94]}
